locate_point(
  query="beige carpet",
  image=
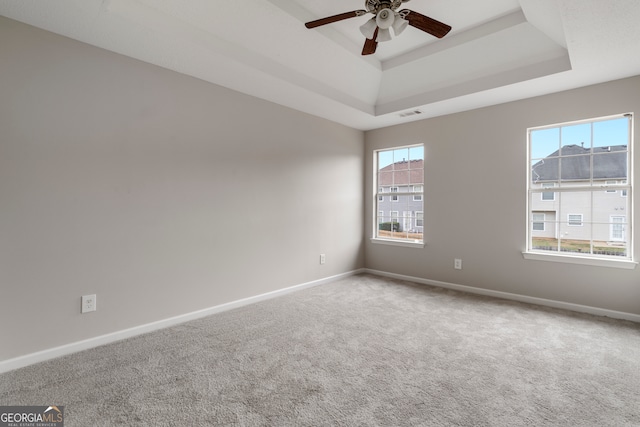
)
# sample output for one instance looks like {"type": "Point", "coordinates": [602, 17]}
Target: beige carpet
{"type": "Point", "coordinates": [363, 351]}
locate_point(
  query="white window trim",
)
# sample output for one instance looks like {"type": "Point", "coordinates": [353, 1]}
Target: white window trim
{"type": "Point", "coordinates": [393, 242]}
{"type": "Point", "coordinates": [627, 263]}
{"type": "Point", "coordinates": [574, 259]}
{"type": "Point", "coordinates": [396, 242]}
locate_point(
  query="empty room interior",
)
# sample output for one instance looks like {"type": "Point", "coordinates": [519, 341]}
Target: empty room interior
{"type": "Point", "coordinates": [415, 213]}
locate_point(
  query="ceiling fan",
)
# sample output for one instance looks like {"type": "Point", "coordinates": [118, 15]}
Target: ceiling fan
{"type": "Point", "coordinates": [385, 16]}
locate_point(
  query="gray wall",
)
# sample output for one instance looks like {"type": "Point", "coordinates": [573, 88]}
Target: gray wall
{"type": "Point", "coordinates": [475, 179]}
{"type": "Point", "coordinates": [160, 193]}
{"type": "Point", "coordinates": [164, 195]}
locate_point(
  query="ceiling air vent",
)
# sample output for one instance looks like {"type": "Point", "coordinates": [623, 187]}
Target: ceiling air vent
{"type": "Point", "coordinates": [410, 113]}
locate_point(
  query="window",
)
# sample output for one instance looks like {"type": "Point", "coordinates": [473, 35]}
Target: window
{"type": "Point", "coordinates": [538, 221]}
{"type": "Point", "coordinates": [548, 195]}
{"type": "Point", "coordinates": [380, 196]}
{"type": "Point", "coordinates": [394, 198]}
{"type": "Point", "coordinates": [402, 171]}
{"type": "Point", "coordinates": [617, 228]}
{"type": "Point", "coordinates": [584, 162]}
{"type": "Point", "coordinates": [574, 220]}
{"type": "Point", "coordinates": [417, 193]}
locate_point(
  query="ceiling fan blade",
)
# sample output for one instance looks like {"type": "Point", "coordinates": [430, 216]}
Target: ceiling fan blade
{"type": "Point", "coordinates": [428, 25]}
{"type": "Point", "coordinates": [334, 18]}
{"type": "Point", "coordinates": [370, 44]}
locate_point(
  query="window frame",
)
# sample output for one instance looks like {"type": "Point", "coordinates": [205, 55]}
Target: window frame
{"type": "Point", "coordinates": [403, 192]}
{"type": "Point", "coordinates": [571, 222]}
{"type": "Point", "coordinates": [594, 186]}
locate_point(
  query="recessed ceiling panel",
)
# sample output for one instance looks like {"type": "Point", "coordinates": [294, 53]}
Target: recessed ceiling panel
{"type": "Point", "coordinates": [513, 48]}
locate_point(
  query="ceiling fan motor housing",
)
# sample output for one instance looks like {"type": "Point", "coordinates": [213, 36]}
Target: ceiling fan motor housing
{"type": "Point", "coordinates": [375, 6]}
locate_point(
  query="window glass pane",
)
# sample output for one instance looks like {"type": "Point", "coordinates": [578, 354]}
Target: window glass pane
{"type": "Point", "coordinates": [576, 139]}
{"type": "Point", "coordinates": [616, 243]}
{"type": "Point", "coordinates": [576, 168]}
{"type": "Point", "coordinates": [548, 195]}
{"type": "Point", "coordinates": [543, 226]}
{"type": "Point", "coordinates": [385, 178]}
{"type": "Point", "coordinates": [416, 153]}
{"type": "Point", "coordinates": [611, 132]}
{"type": "Point", "coordinates": [544, 142]}
{"type": "Point", "coordinates": [612, 164]}
{"type": "Point", "coordinates": [545, 170]}
{"type": "Point", "coordinates": [401, 173]}
{"type": "Point", "coordinates": [538, 222]}
{"type": "Point", "coordinates": [542, 243]}
{"type": "Point", "coordinates": [416, 175]}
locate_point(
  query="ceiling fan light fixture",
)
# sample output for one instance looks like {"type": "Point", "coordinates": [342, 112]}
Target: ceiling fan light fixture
{"type": "Point", "coordinates": [399, 24]}
{"type": "Point", "coordinates": [385, 18]}
{"type": "Point", "coordinates": [369, 28]}
{"type": "Point", "coordinates": [384, 35]}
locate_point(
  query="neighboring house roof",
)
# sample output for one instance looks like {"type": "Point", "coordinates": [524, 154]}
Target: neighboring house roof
{"type": "Point", "coordinates": [402, 173]}
{"type": "Point", "coordinates": [608, 163]}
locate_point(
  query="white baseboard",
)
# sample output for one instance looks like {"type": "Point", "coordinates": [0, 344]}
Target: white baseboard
{"type": "Point", "coordinates": [52, 353]}
{"type": "Point", "coordinates": [515, 297]}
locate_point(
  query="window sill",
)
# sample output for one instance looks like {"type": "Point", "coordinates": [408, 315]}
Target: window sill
{"type": "Point", "coordinates": [572, 259]}
{"type": "Point", "coordinates": [405, 243]}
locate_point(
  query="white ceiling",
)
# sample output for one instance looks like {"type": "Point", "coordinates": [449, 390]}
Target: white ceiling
{"type": "Point", "coordinates": [497, 51]}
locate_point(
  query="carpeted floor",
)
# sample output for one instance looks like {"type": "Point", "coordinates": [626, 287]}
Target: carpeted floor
{"type": "Point", "coordinates": [363, 351]}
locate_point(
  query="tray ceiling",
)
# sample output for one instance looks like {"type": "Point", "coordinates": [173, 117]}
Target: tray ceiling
{"type": "Point", "coordinates": [498, 50]}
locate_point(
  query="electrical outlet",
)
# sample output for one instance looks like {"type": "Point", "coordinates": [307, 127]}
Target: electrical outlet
{"type": "Point", "coordinates": [322, 258]}
{"type": "Point", "coordinates": [457, 264]}
{"type": "Point", "coordinates": [88, 303]}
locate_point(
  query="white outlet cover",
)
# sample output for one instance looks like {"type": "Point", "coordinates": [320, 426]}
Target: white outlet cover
{"type": "Point", "coordinates": [88, 303]}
